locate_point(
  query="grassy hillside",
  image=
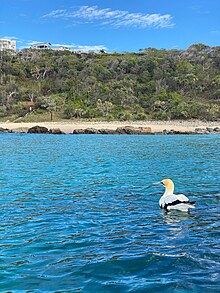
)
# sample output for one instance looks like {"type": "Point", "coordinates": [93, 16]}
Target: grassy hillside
{"type": "Point", "coordinates": [152, 84]}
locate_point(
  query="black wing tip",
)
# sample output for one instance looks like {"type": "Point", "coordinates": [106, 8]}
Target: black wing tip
{"type": "Point", "coordinates": [176, 202]}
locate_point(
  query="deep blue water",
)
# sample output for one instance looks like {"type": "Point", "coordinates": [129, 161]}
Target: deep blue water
{"type": "Point", "coordinates": [76, 213]}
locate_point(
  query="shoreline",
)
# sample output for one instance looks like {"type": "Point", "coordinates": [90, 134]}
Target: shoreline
{"type": "Point", "coordinates": [155, 126]}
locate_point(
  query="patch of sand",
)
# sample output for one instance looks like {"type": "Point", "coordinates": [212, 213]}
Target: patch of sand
{"type": "Point", "coordinates": [156, 126]}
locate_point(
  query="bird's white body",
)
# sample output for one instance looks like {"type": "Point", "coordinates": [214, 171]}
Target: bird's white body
{"type": "Point", "coordinates": [170, 201]}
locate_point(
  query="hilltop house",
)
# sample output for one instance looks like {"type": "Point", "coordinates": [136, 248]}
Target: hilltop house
{"type": "Point", "coordinates": [7, 44]}
{"type": "Point", "coordinates": [41, 46]}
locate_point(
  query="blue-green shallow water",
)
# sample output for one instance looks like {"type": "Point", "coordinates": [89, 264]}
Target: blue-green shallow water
{"type": "Point", "coordinates": [76, 214]}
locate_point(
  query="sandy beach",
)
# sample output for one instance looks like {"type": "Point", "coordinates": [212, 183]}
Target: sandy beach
{"type": "Point", "coordinates": [156, 126]}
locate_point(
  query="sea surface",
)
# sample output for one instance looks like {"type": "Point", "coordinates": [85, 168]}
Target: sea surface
{"type": "Point", "coordinates": [78, 215]}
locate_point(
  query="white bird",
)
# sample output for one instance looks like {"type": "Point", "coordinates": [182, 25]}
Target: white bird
{"type": "Point", "coordinates": [170, 201]}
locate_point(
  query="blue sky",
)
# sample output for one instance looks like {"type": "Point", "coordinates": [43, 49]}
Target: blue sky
{"type": "Point", "coordinates": [113, 25]}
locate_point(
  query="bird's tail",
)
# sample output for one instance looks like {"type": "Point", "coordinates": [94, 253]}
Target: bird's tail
{"type": "Point", "coordinates": [191, 204]}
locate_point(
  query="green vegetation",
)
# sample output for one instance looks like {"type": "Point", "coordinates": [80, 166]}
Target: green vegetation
{"type": "Point", "coordinates": [152, 84]}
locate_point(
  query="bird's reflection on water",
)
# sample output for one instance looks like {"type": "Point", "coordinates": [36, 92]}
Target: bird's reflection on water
{"type": "Point", "coordinates": [174, 217]}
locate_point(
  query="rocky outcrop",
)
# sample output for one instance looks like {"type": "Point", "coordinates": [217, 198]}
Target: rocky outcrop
{"type": "Point", "coordinates": [207, 130]}
{"type": "Point", "coordinates": [94, 131]}
{"type": "Point", "coordinates": [119, 130]}
{"type": "Point", "coordinates": [41, 129]}
{"type": "Point", "coordinates": [107, 131]}
{"type": "Point", "coordinates": [130, 130]}
{"type": "Point", "coordinates": [86, 131]}
{"type": "Point", "coordinates": [38, 129]}
{"type": "Point", "coordinates": [216, 129]}
{"type": "Point", "coordinates": [172, 131]}
{"type": "Point", "coordinates": [4, 130]}
{"type": "Point", "coordinates": [200, 130]}
{"type": "Point", "coordinates": [91, 131]}
{"type": "Point", "coordinates": [79, 131]}
{"type": "Point", "coordinates": [133, 130]}
{"type": "Point", "coordinates": [144, 130]}
{"type": "Point", "coordinates": [56, 131]}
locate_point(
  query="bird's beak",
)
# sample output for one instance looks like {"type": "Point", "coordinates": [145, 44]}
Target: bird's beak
{"type": "Point", "coordinates": [157, 184]}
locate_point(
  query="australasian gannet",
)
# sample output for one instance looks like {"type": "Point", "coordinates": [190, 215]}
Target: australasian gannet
{"type": "Point", "coordinates": [170, 201]}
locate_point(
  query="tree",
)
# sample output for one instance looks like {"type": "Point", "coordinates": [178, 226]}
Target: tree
{"type": "Point", "coordinates": [104, 108]}
{"type": "Point", "coordinates": [48, 103]}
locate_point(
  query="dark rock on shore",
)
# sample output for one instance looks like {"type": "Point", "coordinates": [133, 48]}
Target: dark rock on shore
{"type": "Point", "coordinates": [38, 129]}
{"type": "Point", "coordinates": [172, 131]}
{"type": "Point", "coordinates": [119, 130]}
{"type": "Point", "coordinates": [200, 130]}
{"type": "Point", "coordinates": [107, 131]}
{"type": "Point", "coordinates": [86, 131]}
{"type": "Point", "coordinates": [42, 129]}
{"type": "Point", "coordinates": [4, 130]}
{"type": "Point", "coordinates": [56, 131]}
{"type": "Point", "coordinates": [133, 130]}
{"type": "Point", "coordinates": [217, 129]}
{"type": "Point", "coordinates": [207, 130]}
{"type": "Point", "coordinates": [79, 131]}
{"type": "Point", "coordinates": [91, 131]}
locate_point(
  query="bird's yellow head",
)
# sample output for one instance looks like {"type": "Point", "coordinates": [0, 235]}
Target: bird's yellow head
{"type": "Point", "coordinates": [168, 184]}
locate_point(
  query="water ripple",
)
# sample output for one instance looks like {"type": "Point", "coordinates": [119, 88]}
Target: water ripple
{"type": "Point", "coordinates": [76, 214]}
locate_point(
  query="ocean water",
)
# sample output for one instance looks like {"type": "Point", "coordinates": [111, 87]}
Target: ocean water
{"type": "Point", "coordinates": [77, 216]}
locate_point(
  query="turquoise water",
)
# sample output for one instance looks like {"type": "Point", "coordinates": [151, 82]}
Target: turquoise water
{"type": "Point", "coordinates": [77, 216]}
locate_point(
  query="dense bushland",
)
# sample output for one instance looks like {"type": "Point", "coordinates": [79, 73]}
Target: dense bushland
{"type": "Point", "coordinates": [151, 84]}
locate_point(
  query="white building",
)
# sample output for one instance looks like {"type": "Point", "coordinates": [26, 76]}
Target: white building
{"type": "Point", "coordinates": [61, 48]}
{"type": "Point", "coordinates": [41, 46]}
{"type": "Point", "coordinates": [6, 44]}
